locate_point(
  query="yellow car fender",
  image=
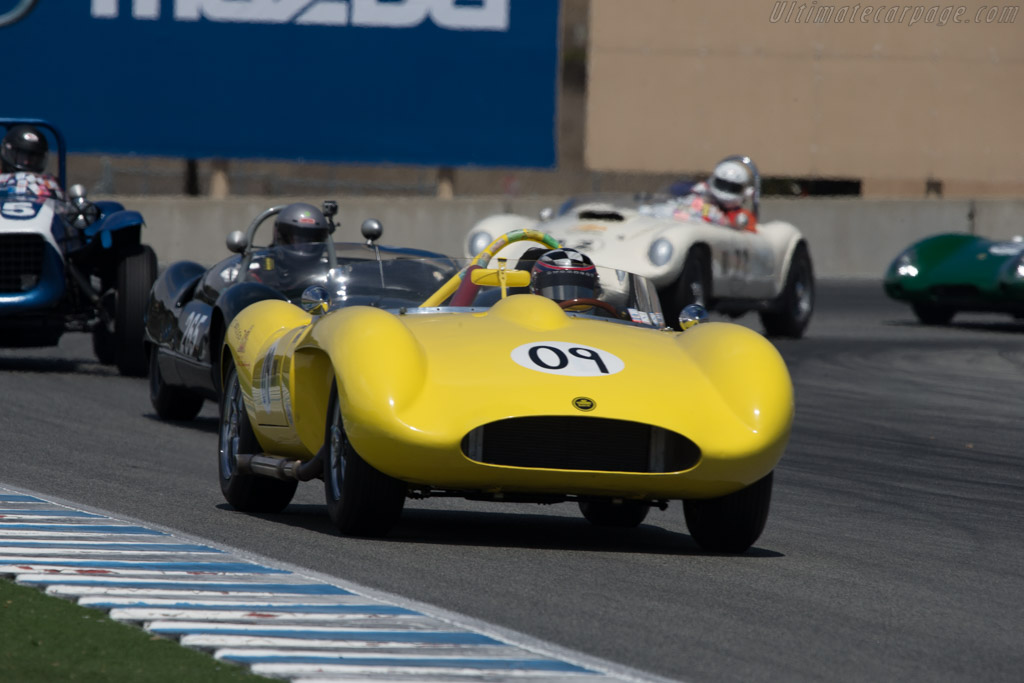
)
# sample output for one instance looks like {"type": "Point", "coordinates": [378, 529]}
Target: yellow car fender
{"type": "Point", "coordinates": [251, 338]}
{"type": "Point", "coordinates": [746, 371]}
{"type": "Point", "coordinates": [375, 362]}
{"type": "Point", "coordinates": [253, 330]}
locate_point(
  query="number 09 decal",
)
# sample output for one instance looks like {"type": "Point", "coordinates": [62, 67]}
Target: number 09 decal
{"type": "Point", "coordinates": [564, 358]}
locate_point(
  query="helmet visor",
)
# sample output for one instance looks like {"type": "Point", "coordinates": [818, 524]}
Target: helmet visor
{"type": "Point", "coordinates": [727, 186]}
{"type": "Point", "coordinates": [292, 235]}
{"type": "Point", "coordinates": [565, 292]}
{"type": "Point", "coordinates": [26, 160]}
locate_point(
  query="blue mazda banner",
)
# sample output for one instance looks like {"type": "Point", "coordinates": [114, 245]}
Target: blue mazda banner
{"type": "Point", "coordinates": [433, 82]}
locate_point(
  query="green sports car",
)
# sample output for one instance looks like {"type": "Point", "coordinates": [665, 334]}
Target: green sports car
{"type": "Point", "coordinates": [942, 275]}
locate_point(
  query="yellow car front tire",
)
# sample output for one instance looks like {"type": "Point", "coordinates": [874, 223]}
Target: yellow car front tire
{"type": "Point", "coordinates": [732, 523]}
{"type": "Point", "coordinates": [361, 500]}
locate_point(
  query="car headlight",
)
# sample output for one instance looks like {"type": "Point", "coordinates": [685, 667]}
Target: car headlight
{"type": "Point", "coordinates": [660, 252]}
{"type": "Point", "coordinates": [478, 241]}
{"type": "Point", "coordinates": [905, 264]}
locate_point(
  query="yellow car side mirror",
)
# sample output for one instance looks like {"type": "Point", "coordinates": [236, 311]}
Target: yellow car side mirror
{"type": "Point", "coordinates": [490, 277]}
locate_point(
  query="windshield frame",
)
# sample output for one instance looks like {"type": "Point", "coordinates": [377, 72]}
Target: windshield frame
{"type": "Point", "coordinates": [634, 297]}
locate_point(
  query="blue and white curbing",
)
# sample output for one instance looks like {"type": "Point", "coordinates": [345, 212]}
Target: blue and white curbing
{"type": "Point", "coordinates": [277, 622]}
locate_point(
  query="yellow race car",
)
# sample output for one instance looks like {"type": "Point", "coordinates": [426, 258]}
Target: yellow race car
{"type": "Point", "coordinates": [504, 383]}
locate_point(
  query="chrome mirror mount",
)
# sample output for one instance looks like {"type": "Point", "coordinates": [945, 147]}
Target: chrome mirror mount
{"type": "Point", "coordinates": [77, 193]}
{"type": "Point", "coordinates": [691, 315]}
{"type": "Point", "coordinates": [237, 242]}
{"type": "Point", "coordinates": [371, 230]}
{"type": "Point", "coordinates": [315, 300]}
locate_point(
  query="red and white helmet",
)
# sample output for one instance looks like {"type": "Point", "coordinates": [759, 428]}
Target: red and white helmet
{"type": "Point", "coordinates": [731, 183]}
{"type": "Point", "coordinates": [563, 274]}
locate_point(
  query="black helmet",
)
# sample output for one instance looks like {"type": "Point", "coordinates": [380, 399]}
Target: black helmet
{"type": "Point", "coordinates": [23, 149]}
{"type": "Point", "coordinates": [563, 274]}
{"type": "Point", "coordinates": [300, 224]}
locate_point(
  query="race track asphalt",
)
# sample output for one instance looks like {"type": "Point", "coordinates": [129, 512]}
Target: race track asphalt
{"type": "Point", "coordinates": [894, 549]}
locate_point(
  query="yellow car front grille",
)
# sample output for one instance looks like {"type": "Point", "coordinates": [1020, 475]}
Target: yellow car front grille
{"type": "Point", "coordinates": [580, 443]}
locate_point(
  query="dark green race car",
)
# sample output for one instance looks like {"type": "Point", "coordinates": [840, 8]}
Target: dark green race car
{"type": "Point", "coordinates": [945, 274]}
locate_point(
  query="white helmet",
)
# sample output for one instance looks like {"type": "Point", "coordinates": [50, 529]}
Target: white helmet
{"type": "Point", "coordinates": [731, 183]}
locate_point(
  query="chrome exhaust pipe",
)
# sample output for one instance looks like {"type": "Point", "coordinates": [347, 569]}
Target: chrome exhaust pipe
{"type": "Point", "coordinates": [277, 467]}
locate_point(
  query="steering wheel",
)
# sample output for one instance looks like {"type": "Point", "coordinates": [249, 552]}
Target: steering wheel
{"type": "Point", "coordinates": [587, 301]}
{"type": "Point", "coordinates": [483, 258]}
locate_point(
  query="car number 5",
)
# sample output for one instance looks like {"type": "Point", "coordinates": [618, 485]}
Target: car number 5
{"type": "Point", "coordinates": [564, 358]}
{"type": "Point", "coordinates": [17, 209]}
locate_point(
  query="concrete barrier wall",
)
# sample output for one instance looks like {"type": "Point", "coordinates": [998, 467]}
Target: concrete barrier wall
{"type": "Point", "coordinates": [847, 237]}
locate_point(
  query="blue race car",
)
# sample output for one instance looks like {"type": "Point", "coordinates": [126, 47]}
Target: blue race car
{"type": "Point", "coordinates": [67, 264]}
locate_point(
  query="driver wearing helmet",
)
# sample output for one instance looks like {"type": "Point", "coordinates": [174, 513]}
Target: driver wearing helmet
{"type": "Point", "coordinates": [566, 275]}
{"type": "Point", "coordinates": [23, 164]}
{"type": "Point", "coordinates": [720, 198]}
{"type": "Point", "coordinates": [299, 224]}
{"type": "Point", "coordinates": [296, 255]}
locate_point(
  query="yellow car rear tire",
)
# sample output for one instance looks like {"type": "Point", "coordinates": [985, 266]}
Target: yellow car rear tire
{"type": "Point", "coordinates": [245, 492]}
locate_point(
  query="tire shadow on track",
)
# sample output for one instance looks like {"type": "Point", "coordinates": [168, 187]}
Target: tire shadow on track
{"type": "Point", "coordinates": [38, 365]}
{"type": "Point", "coordinates": [210, 424]}
{"type": "Point", "coordinates": [1009, 326]}
{"type": "Point", "coordinates": [509, 530]}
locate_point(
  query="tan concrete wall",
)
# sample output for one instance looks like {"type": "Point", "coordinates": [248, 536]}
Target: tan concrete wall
{"type": "Point", "coordinates": [847, 237]}
{"type": "Point", "coordinates": [676, 85]}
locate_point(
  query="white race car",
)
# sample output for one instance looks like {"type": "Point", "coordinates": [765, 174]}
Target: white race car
{"type": "Point", "coordinates": [688, 259]}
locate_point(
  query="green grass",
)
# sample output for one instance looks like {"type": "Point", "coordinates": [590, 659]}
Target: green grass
{"type": "Point", "coordinates": [48, 639]}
